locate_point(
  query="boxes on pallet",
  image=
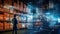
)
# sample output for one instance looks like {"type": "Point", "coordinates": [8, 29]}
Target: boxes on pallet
{"type": "Point", "coordinates": [19, 25]}
{"type": "Point", "coordinates": [1, 26]}
{"type": "Point", "coordinates": [6, 26]}
{"type": "Point", "coordinates": [10, 26]}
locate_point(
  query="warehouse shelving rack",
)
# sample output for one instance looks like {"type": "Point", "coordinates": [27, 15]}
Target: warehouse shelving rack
{"type": "Point", "coordinates": [7, 11]}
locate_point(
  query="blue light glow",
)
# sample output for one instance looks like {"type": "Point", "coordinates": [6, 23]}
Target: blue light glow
{"type": "Point", "coordinates": [48, 14]}
{"type": "Point", "coordinates": [23, 17]}
{"type": "Point", "coordinates": [51, 17]}
{"type": "Point", "coordinates": [29, 18]}
{"type": "Point", "coordinates": [59, 20]}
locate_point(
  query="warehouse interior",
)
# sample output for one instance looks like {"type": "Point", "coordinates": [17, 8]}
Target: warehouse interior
{"type": "Point", "coordinates": [34, 16]}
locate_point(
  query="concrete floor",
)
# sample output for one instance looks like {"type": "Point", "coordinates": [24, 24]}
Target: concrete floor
{"type": "Point", "coordinates": [28, 32]}
{"type": "Point", "coordinates": [10, 32]}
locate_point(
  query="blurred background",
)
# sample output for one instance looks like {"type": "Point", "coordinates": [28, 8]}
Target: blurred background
{"type": "Point", "coordinates": [34, 16]}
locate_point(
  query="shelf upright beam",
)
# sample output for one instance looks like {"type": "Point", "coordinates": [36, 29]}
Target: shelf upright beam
{"type": "Point", "coordinates": [2, 2]}
{"type": "Point", "coordinates": [3, 16]}
{"type": "Point", "coordinates": [3, 23]}
{"type": "Point", "coordinates": [12, 2]}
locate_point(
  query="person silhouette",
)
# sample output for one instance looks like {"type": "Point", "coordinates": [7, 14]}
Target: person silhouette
{"type": "Point", "coordinates": [15, 22]}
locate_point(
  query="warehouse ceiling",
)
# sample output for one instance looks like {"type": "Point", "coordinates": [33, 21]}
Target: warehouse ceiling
{"type": "Point", "coordinates": [39, 3]}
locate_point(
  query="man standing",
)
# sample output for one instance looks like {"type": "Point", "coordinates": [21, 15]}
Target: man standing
{"type": "Point", "coordinates": [15, 22]}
